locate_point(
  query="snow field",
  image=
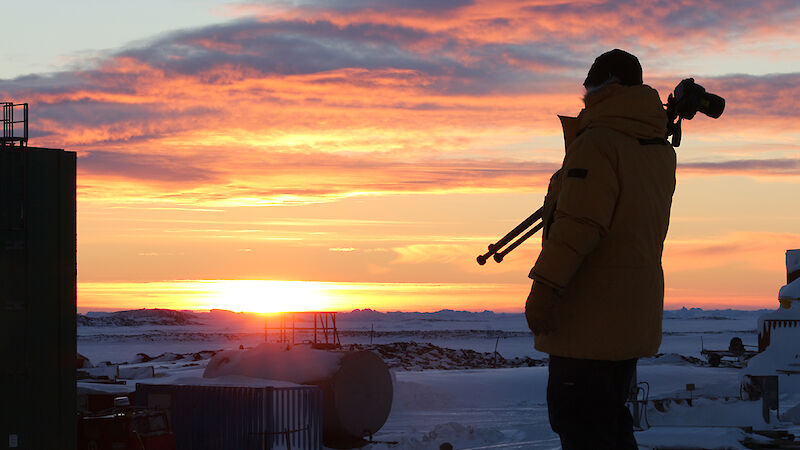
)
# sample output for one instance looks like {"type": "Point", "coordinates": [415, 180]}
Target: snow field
{"type": "Point", "coordinates": [488, 408]}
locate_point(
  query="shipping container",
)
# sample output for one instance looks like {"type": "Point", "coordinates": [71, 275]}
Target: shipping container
{"type": "Point", "coordinates": [238, 417]}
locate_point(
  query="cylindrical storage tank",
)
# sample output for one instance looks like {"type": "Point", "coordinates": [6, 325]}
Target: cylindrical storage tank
{"type": "Point", "coordinates": [356, 386]}
{"type": "Point", "coordinates": [357, 400]}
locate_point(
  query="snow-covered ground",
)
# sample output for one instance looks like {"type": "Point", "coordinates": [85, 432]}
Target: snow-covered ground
{"type": "Point", "coordinates": [480, 407]}
{"type": "Point", "coordinates": [110, 337]}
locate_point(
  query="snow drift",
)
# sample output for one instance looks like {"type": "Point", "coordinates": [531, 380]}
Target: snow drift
{"type": "Point", "coordinates": [299, 364]}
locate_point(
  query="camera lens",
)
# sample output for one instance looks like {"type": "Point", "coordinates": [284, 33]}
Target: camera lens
{"type": "Point", "coordinates": [711, 105]}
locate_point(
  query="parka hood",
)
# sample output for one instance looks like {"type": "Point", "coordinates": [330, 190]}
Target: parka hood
{"type": "Point", "coordinates": [633, 110]}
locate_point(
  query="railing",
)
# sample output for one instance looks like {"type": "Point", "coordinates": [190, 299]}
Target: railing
{"type": "Point", "coordinates": [10, 122]}
{"type": "Point", "coordinates": [315, 327]}
{"type": "Point", "coordinates": [765, 334]}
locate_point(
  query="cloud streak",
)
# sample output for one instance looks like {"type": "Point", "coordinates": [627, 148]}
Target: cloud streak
{"type": "Point", "coordinates": [760, 167]}
{"type": "Point", "coordinates": [263, 179]}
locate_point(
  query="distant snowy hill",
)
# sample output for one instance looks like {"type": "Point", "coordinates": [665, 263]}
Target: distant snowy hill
{"type": "Point", "coordinates": [138, 317]}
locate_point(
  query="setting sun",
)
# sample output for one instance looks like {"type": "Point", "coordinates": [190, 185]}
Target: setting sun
{"type": "Point", "coordinates": [259, 296]}
{"type": "Point", "coordinates": [264, 296]}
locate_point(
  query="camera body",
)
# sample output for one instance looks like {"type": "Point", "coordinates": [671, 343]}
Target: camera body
{"type": "Point", "coordinates": [689, 98]}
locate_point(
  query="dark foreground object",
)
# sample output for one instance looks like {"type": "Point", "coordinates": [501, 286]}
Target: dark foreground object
{"type": "Point", "coordinates": [586, 403]}
{"type": "Point", "coordinates": [126, 429]}
{"type": "Point", "coordinates": [37, 298]}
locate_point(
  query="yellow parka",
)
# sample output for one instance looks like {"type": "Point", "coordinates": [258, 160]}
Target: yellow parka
{"type": "Point", "coordinates": [606, 216]}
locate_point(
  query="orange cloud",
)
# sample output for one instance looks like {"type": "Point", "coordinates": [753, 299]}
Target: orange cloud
{"type": "Point", "coordinates": [370, 99]}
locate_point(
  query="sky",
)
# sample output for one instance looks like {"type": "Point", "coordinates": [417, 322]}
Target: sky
{"type": "Point", "coordinates": [295, 155]}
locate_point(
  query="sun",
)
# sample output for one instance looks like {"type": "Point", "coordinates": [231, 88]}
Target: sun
{"type": "Point", "coordinates": [265, 296]}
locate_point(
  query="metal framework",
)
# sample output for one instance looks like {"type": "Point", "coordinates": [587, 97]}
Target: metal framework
{"type": "Point", "coordinates": [317, 328]}
{"type": "Point", "coordinates": [10, 137]}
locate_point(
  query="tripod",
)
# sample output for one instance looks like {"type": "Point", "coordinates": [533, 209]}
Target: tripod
{"type": "Point", "coordinates": [495, 249]}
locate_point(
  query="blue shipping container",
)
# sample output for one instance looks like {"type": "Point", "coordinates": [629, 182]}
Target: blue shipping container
{"type": "Point", "coordinates": [238, 418]}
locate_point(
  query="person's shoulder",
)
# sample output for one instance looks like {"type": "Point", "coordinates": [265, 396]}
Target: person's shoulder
{"type": "Point", "coordinates": [596, 140]}
{"type": "Point", "coordinates": [598, 134]}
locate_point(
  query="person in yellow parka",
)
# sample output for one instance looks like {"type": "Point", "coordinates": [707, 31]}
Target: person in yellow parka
{"type": "Point", "coordinates": [597, 298]}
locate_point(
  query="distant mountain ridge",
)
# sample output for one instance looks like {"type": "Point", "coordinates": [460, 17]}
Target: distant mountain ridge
{"type": "Point", "coordinates": [441, 315]}
{"type": "Point", "coordinates": [712, 314]}
{"type": "Point", "coordinates": [169, 317]}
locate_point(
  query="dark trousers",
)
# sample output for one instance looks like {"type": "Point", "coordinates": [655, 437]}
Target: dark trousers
{"type": "Point", "coordinates": [586, 403]}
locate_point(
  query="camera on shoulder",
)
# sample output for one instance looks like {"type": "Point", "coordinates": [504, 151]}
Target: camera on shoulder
{"type": "Point", "coordinates": [689, 98]}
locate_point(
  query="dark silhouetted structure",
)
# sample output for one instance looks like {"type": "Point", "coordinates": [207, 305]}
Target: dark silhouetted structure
{"type": "Point", "coordinates": [37, 294]}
